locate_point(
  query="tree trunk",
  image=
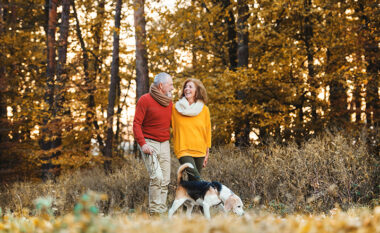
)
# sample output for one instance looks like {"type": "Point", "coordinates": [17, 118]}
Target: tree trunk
{"type": "Point", "coordinates": [371, 54]}
{"type": "Point", "coordinates": [373, 98]}
{"type": "Point", "coordinates": [299, 129]}
{"type": "Point", "coordinates": [61, 79]}
{"type": "Point", "coordinates": [51, 54]}
{"type": "Point", "coordinates": [49, 140]}
{"type": "Point", "coordinates": [242, 123]}
{"type": "Point", "coordinates": [4, 127]}
{"type": "Point", "coordinates": [98, 37]}
{"type": "Point", "coordinates": [358, 102]}
{"type": "Point", "coordinates": [113, 84]}
{"type": "Point", "coordinates": [307, 38]}
{"type": "Point", "coordinates": [62, 57]}
{"type": "Point", "coordinates": [339, 115]}
{"type": "Point", "coordinates": [118, 112]}
{"type": "Point", "coordinates": [142, 79]}
{"type": "Point", "coordinates": [231, 34]}
{"type": "Point", "coordinates": [242, 23]}
{"type": "Point", "coordinates": [368, 34]}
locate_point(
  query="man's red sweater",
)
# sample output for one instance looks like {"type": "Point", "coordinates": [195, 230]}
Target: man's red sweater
{"type": "Point", "coordinates": [152, 120]}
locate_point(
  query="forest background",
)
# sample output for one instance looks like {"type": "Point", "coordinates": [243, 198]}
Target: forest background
{"type": "Point", "coordinates": [277, 72]}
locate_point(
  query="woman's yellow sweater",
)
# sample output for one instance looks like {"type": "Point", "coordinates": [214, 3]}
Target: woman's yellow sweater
{"type": "Point", "coordinates": [191, 134]}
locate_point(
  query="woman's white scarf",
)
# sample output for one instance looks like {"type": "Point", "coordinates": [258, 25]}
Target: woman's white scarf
{"type": "Point", "coordinates": [184, 108]}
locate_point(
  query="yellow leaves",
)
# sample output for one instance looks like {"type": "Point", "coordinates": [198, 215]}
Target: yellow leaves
{"type": "Point", "coordinates": [357, 220]}
{"type": "Point", "coordinates": [305, 228]}
{"type": "Point", "coordinates": [41, 223]}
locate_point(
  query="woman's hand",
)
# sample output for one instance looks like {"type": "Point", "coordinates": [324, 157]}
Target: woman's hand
{"type": "Point", "coordinates": [206, 158]}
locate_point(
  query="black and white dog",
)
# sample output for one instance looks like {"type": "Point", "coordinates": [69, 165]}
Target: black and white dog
{"type": "Point", "coordinates": [205, 194]}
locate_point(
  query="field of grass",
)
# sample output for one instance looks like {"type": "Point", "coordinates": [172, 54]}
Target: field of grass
{"type": "Point", "coordinates": [87, 220]}
{"type": "Point", "coordinates": [328, 184]}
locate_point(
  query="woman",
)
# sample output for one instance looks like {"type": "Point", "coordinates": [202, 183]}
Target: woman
{"type": "Point", "coordinates": [192, 127]}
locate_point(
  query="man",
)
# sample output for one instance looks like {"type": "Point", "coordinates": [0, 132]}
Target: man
{"type": "Point", "coordinates": [151, 128]}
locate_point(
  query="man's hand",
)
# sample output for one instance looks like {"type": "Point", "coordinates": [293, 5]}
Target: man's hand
{"type": "Point", "coordinates": [206, 158]}
{"type": "Point", "coordinates": [146, 149]}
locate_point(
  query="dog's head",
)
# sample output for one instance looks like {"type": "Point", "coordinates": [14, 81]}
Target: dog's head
{"type": "Point", "coordinates": [234, 204]}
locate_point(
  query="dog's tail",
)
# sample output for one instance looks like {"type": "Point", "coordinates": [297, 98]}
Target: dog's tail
{"type": "Point", "coordinates": [181, 169]}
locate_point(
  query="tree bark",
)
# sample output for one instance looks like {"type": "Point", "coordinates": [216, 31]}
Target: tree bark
{"type": "Point", "coordinates": [62, 56]}
{"type": "Point", "coordinates": [231, 34]}
{"type": "Point", "coordinates": [242, 123]}
{"type": "Point", "coordinates": [242, 23]}
{"type": "Point", "coordinates": [98, 37]}
{"type": "Point", "coordinates": [339, 115]}
{"type": "Point", "coordinates": [48, 139]}
{"type": "Point", "coordinates": [371, 54]}
{"type": "Point", "coordinates": [113, 84]}
{"type": "Point", "coordinates": [307, 32]}
{"type": "Point", "coordinates": [358, 102]}
{"type": "Point", "coordinates": [4, 127]}
{"type": "Point", "coordinates": [51, 53]}
{"type": "Point", "coordinates": [307, 36]}
{"type": "Point", "coordinates": [142, 79]}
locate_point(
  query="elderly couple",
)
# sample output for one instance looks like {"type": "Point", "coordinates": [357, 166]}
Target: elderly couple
{"type": "Point", "coordinates": [190, 122]}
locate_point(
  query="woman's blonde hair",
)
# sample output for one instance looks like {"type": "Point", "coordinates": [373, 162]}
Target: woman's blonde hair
{"type": "Point", "coordinates": [200, 90]}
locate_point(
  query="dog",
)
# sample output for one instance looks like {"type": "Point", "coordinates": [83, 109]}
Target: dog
{"type": "Point", "coordinates": [205, 194]}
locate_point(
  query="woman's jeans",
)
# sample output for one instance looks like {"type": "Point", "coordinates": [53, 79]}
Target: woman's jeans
{"type": "Point", "coordinates": [197, 162]}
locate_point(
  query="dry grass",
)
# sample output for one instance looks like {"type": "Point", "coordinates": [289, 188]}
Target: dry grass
{"type": "Point", "coordinates": [354, 220]}
{"type": "Point", "coordinates": [125, 189]}
{"type": "Point", "coordinates": [323, 173]}
{"type": "Point", "coordinates": [315, 177]}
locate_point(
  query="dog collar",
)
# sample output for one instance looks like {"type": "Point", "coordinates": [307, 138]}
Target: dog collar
{"type": "Point", "coordinates": [221, 202]}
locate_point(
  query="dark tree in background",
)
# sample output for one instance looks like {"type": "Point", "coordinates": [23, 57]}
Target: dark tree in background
{"type": "Point", "coordinates": [50, 137]}
{"type": "Point", "coordinates": [4, 125]}
{"type": "Point", "coordinates": [113, 84]}
{"type": "Point", "coordinates": [56, 81]}
{"type": "Point", "coordinates": [142, 79]}
{"type": "Point", "coordinates": [231, 34]}
{"type": "Point", "coordinates": [242, 124]}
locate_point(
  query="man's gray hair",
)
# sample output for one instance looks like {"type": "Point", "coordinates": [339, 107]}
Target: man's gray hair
{"type": "Point", "coordinates": [161, 78]}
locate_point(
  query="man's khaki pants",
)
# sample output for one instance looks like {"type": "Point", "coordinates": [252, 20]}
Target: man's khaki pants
{"type": "Point", "coordinates": [158, 167]}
